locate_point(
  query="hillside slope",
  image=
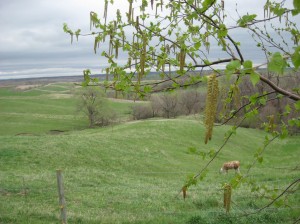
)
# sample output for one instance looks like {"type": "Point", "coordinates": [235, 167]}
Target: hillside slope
{"type": "Point", "coordinates": [133, 173]}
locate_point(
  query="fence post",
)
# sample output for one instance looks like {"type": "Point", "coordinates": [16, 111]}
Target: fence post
{"type": "Point", "coordinates": [61, 195]}
{"type": "Point", "coordinates": [227, 197]}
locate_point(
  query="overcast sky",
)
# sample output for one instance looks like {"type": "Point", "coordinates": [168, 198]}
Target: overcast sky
{"type": "Point", "coordinates": [32, 41]}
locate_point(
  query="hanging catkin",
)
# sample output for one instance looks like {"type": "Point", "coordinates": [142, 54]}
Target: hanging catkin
{"type": "Point", "coordinates": [130, 10]}
{"type": "Point", "coordinates": [143, 57]}
{"type": "Point", "coordinates": [117, 44]}
{"type": "Point", "coordinates": [107, 73]}
{"type": "Point", "coordinates": [211, 105]}
{"type": "Point", "coordinates": [129, 62]}
{"type": "Point", "coordinates": [182, 60]}
{"type": "Point", "coordinates": [105, 10]}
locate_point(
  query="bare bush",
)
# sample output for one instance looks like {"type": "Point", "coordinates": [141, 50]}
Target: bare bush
{"type": "Point", "coordinates": [142, 111]}
{"type": "Point", "coordinates": [169, 105]}
{"type": "Point", "coordinates": [190, 101]}
{"type": "Point", "coordinates": [155, 103]}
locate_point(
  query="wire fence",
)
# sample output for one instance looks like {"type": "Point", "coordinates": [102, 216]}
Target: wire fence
{"type": "Point", "coordinates": [40, 191]}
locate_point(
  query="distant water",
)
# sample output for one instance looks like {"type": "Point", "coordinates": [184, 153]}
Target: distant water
{"type": "Point", "coordinates": [40, 73]}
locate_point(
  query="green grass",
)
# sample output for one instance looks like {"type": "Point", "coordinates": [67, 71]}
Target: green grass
{"type": "Point", "coordinates": [44, 108]}
{"type": "Point", "coordinates": [132, 172]}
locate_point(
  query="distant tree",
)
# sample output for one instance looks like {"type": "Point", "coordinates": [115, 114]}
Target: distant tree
{"type": "Point", "coordinates": [92, 102]}
{"type": "Point", "coordinates": [169, 105]}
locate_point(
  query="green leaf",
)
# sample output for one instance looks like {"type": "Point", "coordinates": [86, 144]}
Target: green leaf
{"type": "Point", "coordinates": [254, 77]}
{"type": "Point", "coordinates": [222, 31]}
{"type": "Point", "coordinates": [277, 63]}
{"type": "Point", "coordinates": [211, 153]}
{"type": "Point", "coordinates": [246, 19]}
{"type": "Point", "coordinates": [296, 57]}
{"type": "Point", "coordinates": [147, 89]}
{"type": "Point", "coordinates": [284, 132]}
{"type": "Point", "coordinates": [248, 66]}
{"type": "Point", "coordinates": [287, 109]}
{"type": "Point", "coordinates": [207, 4]}
{"type": "Point", "coordinates": [294, 122]}
{"type": "Point", "coordinates": [263, 101]}
{"type": "Point", "coordinates": [260, 159]}
{"type": "Point", "coordinates": [232, 67]}
{"type": "Point", "coordinates": [296, 10]}
{"type": "Point", "coordinates": [190, 180]}
{"type": "Point", "coordinates": [277, 9]}
{"type": "Point", "coordinates": [197, 45]}
{"type": "Point", "coordinates": [297, 105]}
{"type": "Point", "coordinates": [86, 76]}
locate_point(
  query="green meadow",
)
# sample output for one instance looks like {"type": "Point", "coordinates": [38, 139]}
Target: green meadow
{"type": "Point", "coordinates": [133, 171]}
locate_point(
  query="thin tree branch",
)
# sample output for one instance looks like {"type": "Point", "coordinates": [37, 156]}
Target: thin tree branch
{"type": "Point", "coordinates": [278, 89]}
{"type": "Point", "coordinates": [275, 199]}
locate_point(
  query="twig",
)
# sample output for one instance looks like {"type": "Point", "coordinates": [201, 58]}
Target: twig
{"type": "Point", "coordinates": [275, 199]}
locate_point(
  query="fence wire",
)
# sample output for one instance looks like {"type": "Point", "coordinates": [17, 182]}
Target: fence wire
{"type": "Point", "coordinates": [26, 189]}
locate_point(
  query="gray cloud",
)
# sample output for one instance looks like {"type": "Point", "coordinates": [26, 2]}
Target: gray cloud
{"type": "Point", "coordinates": [32, 39]}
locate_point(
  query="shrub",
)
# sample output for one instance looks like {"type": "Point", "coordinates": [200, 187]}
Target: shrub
{"type": "Point", "coordinates": [92, 102]}
{"type": "Point", "coordinates": [141, 111]}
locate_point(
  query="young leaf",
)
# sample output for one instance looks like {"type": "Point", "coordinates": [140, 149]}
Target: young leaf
{"type": "Point", "coordinates": [232, 67]}
{"type": "Point", "coordinates": [246, 19]}
{"type": "Point", "coordinates": [296, 10]}
{"type": "Point", "coordinates": [247, 66]}
{"type": "Point", "coordinates": [207, 4]}
{"type": "Point", "coordinates": [277, 63]}
{"type": "Point", "coordinates": [297, 105]}
{"type": "Point", "coordinates": [222, 32]}
{"type": "Point", "coordinates": [296, 57]}
{"type": "Point", "coordinates": [254, 77]}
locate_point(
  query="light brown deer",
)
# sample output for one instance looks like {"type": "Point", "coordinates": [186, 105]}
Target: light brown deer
{"type": "Point", "coordinates": [230, 165]}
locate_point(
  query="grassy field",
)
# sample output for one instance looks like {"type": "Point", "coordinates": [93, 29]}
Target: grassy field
{"type": "Point", "coordinates": [40, 109]}
{"type": "Point", "coordinates": [131, 172]}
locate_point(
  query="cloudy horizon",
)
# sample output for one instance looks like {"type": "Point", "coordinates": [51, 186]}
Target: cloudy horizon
{"type": "Point", "coordinates": [33, 43]}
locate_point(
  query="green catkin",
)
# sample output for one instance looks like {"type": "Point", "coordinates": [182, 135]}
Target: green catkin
{"type": "Point", "coordinates": [137, 23]}
{"type": "Point", "coordinates": [107, 73]}
{"type": "Point", "coordinates": [211, 105]}
{"type": "Point", "coordinates": [129, 62]}
{"type": "Point", "coordinates": [117, 49]}
{"type": "Point", "coordinates": [130, 11]}
{"type": "Point", "coordinates": [143, 58]}
{"type": "Point", "coordinates": [182, 60]}
{"type": "Point", "coordinates": [132, 15]}
{"type": "Point", "coordinates": [105, 10]}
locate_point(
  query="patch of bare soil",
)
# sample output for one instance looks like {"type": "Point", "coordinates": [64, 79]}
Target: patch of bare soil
{"type": "Point", "coordinates": [26, 87]}
{"type": "Point", "coordinates": [59, 96]}
{"type": "Point", "coordinates": [126, 101]}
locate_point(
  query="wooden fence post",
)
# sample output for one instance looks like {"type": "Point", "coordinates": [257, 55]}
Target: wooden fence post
{"type": "Point", "coordinates": [61, 195]}
{"type": "Point", "coordinates": [227, 197]}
